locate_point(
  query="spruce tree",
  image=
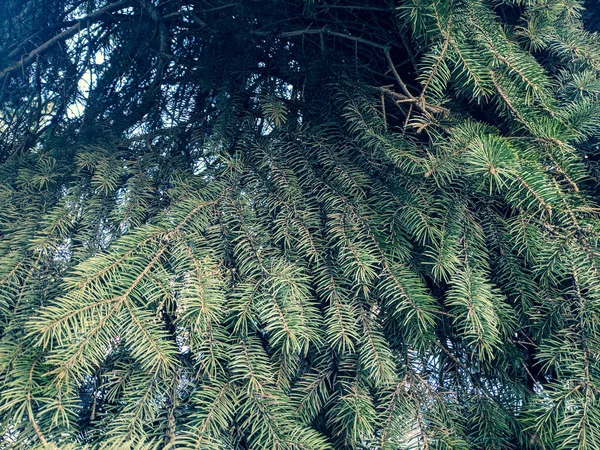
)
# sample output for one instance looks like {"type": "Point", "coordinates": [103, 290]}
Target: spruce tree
{"type": "Point", "coordinates": [299, 224]}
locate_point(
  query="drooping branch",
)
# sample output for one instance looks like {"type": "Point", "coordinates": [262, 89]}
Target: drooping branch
{"type": "Point", "coordinates": [79, 25]}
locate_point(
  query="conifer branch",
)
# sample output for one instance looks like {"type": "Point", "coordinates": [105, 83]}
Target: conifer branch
{"type": "Point", "coordinates": [80, 24]}
{"type": "Point", "coordinates": [224, 223]}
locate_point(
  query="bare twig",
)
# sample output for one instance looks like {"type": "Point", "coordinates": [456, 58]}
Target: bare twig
{"type": "Point", "coordinates": [396, 74]}
{"type": "Point", "coordinates": [356, 7]}
{"type": "Point", "coordinates": [326, 32]}
{"type": "Point", "coordinates": [425, 107]}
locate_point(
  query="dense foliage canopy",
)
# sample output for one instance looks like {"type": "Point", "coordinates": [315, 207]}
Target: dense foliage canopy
{"type": "Point", "coordinates": [299, 224]}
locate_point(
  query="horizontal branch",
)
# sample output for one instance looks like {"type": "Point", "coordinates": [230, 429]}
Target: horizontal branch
{"type": "Point", "coordinates": [326, 32]}
{"type": "Point", "coordinates": [355, 7]}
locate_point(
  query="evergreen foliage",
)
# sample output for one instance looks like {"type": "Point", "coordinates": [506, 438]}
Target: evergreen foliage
{"type": "Point", "coordinates": [299, 224]}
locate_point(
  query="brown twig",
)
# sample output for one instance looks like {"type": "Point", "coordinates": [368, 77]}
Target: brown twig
{"type": "Point", "coordinates": [425, 107]}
